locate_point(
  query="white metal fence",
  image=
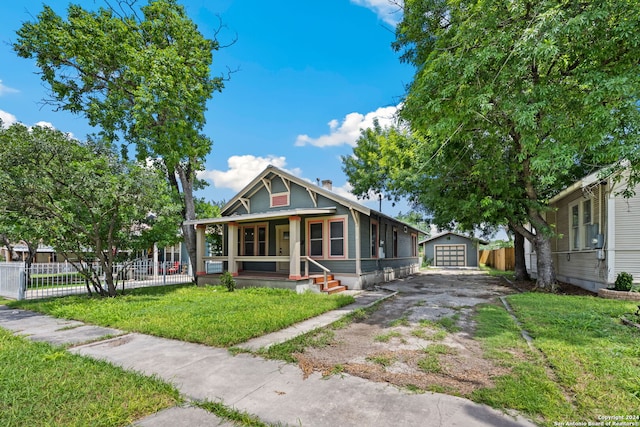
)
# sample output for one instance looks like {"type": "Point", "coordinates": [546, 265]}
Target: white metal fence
{"type": "Point", "coordinates": [59, 279]}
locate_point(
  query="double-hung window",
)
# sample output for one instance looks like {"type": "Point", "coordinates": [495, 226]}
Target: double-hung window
{"type": "Point", "coordinates": [316, 245]}
{"type": "Point", "coordinates": [254, 240]}
{"type": "Point", "coordinates": [582, 229]}
{"type": "Point", "coordinates": [327, 237]}
{"type": "Point", "coordinates": [336, 238]}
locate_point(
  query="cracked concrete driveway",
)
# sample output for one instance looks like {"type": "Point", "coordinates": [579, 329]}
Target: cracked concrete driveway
{"type": "Point", "coordinates": [421, 339]}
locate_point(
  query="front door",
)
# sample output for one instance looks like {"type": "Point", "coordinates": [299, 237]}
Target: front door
{"type": "Point", "coordinates": [282, 247]}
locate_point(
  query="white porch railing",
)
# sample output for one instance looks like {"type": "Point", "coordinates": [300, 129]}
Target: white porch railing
{"type": "Point", "coordinates": [324, 269]}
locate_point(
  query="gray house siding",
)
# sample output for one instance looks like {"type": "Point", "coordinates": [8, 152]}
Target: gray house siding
{"type": "Point", "coordinates": [275, 190]}
{"type": "Point", "coordinates": [447, 240]}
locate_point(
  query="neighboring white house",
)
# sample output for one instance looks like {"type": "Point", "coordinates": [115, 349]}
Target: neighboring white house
{"type": "Point", "coordinates": [598, 233]}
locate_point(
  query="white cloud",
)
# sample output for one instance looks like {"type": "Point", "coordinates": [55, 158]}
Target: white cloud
{"type": "Point", "coordinates": [349, 131]}
{"type": "Point", "coordinates": [390, 11]}
{"type": "Point", "coordinates": [7, 119]}
{"type": "Point", "coordinates": [6, 89]}
{"type": "Point", "coordinates": [45, 125]}
{"type": "Point", "coordinates": [242, 169]}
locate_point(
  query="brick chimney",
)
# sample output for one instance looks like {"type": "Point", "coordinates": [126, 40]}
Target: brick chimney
{"type": "Point", "coordinates": [327, 184]}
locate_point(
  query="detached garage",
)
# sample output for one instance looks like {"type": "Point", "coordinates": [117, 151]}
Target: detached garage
{"type": "Point", "coordinates": [451, 249]}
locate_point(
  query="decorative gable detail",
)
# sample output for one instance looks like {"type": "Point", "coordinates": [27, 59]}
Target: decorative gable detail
{"type": "Point", "coordinates": [279, 199]}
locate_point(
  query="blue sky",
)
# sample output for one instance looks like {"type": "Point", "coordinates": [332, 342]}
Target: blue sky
{"type": "Point", "coordinates": [309, 75]}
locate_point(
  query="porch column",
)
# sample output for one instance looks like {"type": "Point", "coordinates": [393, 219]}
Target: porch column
{"type": "Point", "coordinates": [232, 248]}
{"type": "Point", "coordinates": [200, 239]}
{"type": "Point", "coordinates": [294, 248]}
{"type": "Point", "coordinates": [356, 219]}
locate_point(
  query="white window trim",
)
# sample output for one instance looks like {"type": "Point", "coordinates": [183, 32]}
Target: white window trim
{"type": "Point", "coordinates": [582, 226]}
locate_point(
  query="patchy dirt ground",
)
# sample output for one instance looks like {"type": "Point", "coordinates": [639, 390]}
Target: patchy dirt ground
{"type": "Point", "coordinates": [422, 338]}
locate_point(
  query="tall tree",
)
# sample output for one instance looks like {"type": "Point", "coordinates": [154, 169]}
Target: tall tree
{"type": "Point", "coordinates": [508, 100]}
{"type": "Point", "coordinates": [83, 199]}
{"type": "Point", "coordinates": [143, 77]}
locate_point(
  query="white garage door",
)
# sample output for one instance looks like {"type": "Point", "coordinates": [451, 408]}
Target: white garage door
{"type": "Point", "coordinates": [451, 255]}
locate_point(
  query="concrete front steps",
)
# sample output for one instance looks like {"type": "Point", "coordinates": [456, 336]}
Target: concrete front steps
{"type": "Point", "coordinates": [333, 286]}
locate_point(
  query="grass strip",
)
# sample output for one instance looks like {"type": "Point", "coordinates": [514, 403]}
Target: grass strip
{"type": "Point", "coordinates": [588, 365]}
{"type": "Point", "coordinates": [44, 385]}
{"type": "Point", "coordinates": [208, 315]}
{"type": "Point", "coordinates": [237, 417]}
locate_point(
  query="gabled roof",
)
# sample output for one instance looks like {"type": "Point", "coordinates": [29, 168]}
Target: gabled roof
{"type": "Point", "coordinates": [444, 233]}
{"type": "Point", "coordinates": [268, 173]}
{"type": "Point", "coordinates": [271, 171]}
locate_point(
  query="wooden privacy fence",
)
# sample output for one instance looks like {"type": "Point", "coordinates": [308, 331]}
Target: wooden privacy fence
{"type": "Point", "coordinates": [501, 259]}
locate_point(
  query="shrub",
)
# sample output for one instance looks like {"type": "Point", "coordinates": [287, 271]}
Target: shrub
{"type": "Point", "coordinates": [227, 280]}
{"type": "Point", "coordinates": [624, 282]}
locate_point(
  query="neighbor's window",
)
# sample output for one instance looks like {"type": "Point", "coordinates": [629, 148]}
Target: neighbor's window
{"type": "Point", "coordinates": [575, 227]}
{"type": "Point", "coordinates": [582, 230]}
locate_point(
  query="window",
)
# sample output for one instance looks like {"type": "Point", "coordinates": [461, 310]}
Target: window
{"type": "Point", "coordinates": [575, 227]}
{"type": "Point", "coordinates": [249, 239]}
{"type": "Point", "coordinates": [315, 239]}
{"type": "Point", "coordinates": [414, 245]}
{"type": "Point", "coordinates": [395, 242]}
{"type": "Point", "coordinates": [582, 229]}
{"type": "Point", "coordinates": [374, 239]}
{"type": "Point", "coordinates": [253, 240]}
{"type": "Point", "coordinates": [327, 237]}
{"type": "Point", "coordinates": [336, 238]}
{"type": "Point", "coordinates": [262, 241]}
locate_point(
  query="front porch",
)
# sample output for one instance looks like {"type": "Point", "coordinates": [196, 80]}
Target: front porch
{"type": "Point", "coordinates": [319, 283]}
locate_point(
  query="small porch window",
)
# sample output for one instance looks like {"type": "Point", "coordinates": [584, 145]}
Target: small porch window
{"type": "Point", "coordinates": [315, 239]}
{"type": "Point", "coordinates": [254, 240]}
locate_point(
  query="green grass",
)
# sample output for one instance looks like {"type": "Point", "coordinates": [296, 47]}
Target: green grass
{"type": "Point", "coordinates": [43, 385]}
{"type": "Point", "coordinates": [498, 273]}
{"type": "Point", "coordinates": [387, 337]}
{"type": "Point", "coordinates": [588, 363]}
{"type": "Point", "coordinates": [208, 315]}
{"type": "Point", "coordinates": [381, 359]}
{"type": "Point", "coordinates": [231, 414]}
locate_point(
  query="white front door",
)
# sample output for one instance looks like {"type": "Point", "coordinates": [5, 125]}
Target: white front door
{"type": "Point", "coordinates": [282, 247]}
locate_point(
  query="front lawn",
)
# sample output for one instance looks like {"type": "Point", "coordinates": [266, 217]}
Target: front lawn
{"type": "Point", "coordinates": [586, 364]}
{"type": "Point", "coordinates": [43, 385]}
{"type": "Point", "coordinates": [208, 315]}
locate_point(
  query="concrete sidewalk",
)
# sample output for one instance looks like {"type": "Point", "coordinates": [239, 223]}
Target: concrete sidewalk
{"type": "Point", "coordinates": [273, 391]}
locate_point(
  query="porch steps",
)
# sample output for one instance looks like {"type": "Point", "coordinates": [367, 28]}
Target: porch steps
{"type": "Point", "coordinates": [333, 286]}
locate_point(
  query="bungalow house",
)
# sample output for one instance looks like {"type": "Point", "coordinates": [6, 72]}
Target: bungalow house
{"type": "Point", "coordinates": [283, 231]}
{"type": "Point", "coordinates": [598, 233]}
{"type": "Point", "coordinates": [449, 249]}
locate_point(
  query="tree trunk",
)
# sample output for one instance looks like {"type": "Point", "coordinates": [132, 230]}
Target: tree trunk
{"type": "Point", "coordinates": [189, 213]}
{"type": "Point", "coordinates": [520, 262]}
{"type": "Point", "coordinates": [546, 271]}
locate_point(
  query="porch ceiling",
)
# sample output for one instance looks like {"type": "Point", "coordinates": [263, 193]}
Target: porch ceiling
{"type": "Point", "coordinates": [261, 216]}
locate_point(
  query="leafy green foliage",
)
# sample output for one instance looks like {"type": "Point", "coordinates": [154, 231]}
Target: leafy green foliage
{"type": "Point", "coordinates": [624, 282]}
{"type": "Point", "coordinates": [83, 199]}
{"type": "Point", "coordinates": [227, 280]}
{"type": "Point", "coordinates": [143, 76]}
{"type": "Point", "coordinates": [510, 102]}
